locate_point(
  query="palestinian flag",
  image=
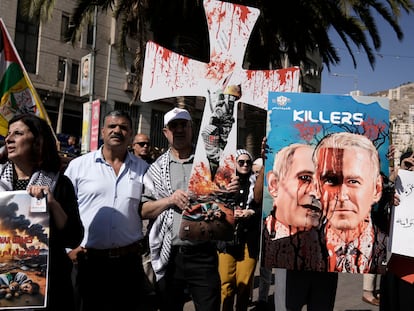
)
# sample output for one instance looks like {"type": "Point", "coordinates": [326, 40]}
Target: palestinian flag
{"type": "Point", "coordinates": [17, 93]}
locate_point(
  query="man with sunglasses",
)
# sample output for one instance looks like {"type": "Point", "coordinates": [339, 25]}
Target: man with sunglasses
{"type": "Point", "coordinates": [179, 265]}
{"type": "Point", "coordinates": [142, 147]}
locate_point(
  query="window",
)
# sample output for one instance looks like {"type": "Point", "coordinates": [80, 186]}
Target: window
{"type": "Point", "coordinates": [89, 35]}
{"type": "Point", "coordinates": [61, 69]}
{"type": "Point", "coordinates": [74, 73]}
{"type": "Point", "coordinates": [26, 40]}
{"type": "Point", "coordinates": [64, 28]}
{"type": "Point", "coordinates": [156, 134]}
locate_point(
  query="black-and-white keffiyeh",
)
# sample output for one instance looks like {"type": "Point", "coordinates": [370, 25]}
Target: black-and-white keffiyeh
{"type": "Point", "coordinates": [40, 178]}
{"type": "Point", "coordinates": [161, 232]}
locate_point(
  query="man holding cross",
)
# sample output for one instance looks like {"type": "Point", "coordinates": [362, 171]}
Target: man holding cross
{"type": "Point", "coordinates": [178, 264]}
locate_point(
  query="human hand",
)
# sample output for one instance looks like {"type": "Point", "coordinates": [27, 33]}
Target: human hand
{"type": "Point", "coordinates": [43, 192]}
{"type": "Point", "coordinates": [243, 213]}
{"type": "Point", "coordinates": [396, 199]}
{"type": "Point", "coordinates": [40, 192]}
{"type": "Point", "coordinates": [390, 153]}
{"type": "Point", "coordinates": [264, 149]}
{"type": "Point", "coordinates": [73, 254]}
{"type": "Point", "coordinates": [234, 184]}
{"type": "Point", "coordinates": [181, 199]}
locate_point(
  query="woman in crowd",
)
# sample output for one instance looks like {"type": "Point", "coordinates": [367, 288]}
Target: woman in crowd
{"type": "Point", "coordinates": [237, 258]}
{"type": "Point", "coordinates": [32, 163]}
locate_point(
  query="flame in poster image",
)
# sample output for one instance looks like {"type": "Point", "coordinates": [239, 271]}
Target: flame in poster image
{"type": "Point", "coordinates": [20, 244]}
{"type": "Point", "coordinates": [201, 185]}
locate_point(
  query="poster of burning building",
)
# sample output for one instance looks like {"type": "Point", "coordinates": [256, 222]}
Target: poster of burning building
{"type": "Point", "coordinates": [24, 251]}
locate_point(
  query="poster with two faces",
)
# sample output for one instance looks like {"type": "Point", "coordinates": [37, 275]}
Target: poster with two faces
{"type": "Point", "coordinates": [327, 194]}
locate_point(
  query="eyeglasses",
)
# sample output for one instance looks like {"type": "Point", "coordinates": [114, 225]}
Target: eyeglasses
{"type": "Point", "coordinates": [243, 162]}
{"type": "Point", "coordinates": [142, 143]}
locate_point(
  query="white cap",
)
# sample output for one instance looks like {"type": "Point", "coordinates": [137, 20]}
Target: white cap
{"type": "Point", "coordinates": [176, 114]}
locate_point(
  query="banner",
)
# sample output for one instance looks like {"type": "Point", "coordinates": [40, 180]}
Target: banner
{"type": "Point", "coordinates": [403, 215]}
{"type": "Point", "coordinates": [24, 251]}
{"type": "Point", "coordinates": [86, 127]}
{"type": "Point", "coordinates": [17, 92]}
{"type": "Point", "coordinates": [85, 82]}
{"type": "Point", "coordinates": [326, 194]}
{"type": "Point", "coordinates": [95, 117]}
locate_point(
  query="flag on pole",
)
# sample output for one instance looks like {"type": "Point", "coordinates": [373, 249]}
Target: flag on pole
{"type": "Point", "coordinates": [17, 93]}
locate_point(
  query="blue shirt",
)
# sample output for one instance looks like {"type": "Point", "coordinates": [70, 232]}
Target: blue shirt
{"type": "Point", "coordinates": [108, 204]}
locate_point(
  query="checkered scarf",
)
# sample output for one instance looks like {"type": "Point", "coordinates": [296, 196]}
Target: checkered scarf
{"type": "Point", "coordinates": [41, 178]}
{"type": "Point", "coordinates": [161, 231]}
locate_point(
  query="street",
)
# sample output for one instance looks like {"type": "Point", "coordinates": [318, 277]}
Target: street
{"type": "Point", "coordinates": [348, 295]}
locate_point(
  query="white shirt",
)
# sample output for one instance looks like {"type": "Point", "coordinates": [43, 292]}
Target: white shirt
{"type": "Point", "coordinates": [108, 204]}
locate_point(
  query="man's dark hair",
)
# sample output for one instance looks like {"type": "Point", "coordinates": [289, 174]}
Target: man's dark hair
{"type": "Point", "coordinates": [120, 113]}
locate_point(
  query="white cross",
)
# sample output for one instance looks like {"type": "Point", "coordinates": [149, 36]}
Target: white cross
{"type": "Point", "coordinates": [168, 74]}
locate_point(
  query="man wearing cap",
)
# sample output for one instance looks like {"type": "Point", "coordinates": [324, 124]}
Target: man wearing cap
{"type": "Point", "coordinates": [178, 264]}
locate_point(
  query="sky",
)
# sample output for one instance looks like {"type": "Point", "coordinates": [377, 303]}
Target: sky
{"type": "Point", "coordinates": [394, 63]}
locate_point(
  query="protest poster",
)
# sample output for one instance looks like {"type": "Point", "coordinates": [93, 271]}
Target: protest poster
{"type": "Point", "coordinates": [332, 229]}
{"type": "Point", "coordinates": [401, 261]}
{"type": "Point", "coordinates": [402, 233]}
{"type": "Point", "coordinates": [24, 252]}
{"type": "Point", "coordinates": [211, 214]}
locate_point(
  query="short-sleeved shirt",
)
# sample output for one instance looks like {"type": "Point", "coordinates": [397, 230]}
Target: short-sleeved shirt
{"type": "Point", "coordinates": [108, 203]}
{"type": "Point", "coordinates": [180, 172]}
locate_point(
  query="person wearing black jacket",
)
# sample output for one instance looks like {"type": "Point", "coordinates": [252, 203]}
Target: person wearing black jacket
{"type": "Point", "coordinates": [33, 164]}
{"type": "Point", "coordinates": [238, 258]}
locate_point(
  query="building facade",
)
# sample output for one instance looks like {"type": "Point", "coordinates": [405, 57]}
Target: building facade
{"type": "Point", "coordinates": [401, 118]}
{"type": "Point", "coordinates": [56, 69]}
{"type": "Point", "coordinates": [54, 66]}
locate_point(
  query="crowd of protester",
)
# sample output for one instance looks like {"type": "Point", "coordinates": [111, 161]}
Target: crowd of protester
{"type": "Point", "coordinates": [115, 224]}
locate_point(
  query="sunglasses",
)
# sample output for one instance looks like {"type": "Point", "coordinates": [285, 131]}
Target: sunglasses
{"type": "Point", "coordinates": [142, 143]}
{"type": "Point", "coordinates": [243, 162]}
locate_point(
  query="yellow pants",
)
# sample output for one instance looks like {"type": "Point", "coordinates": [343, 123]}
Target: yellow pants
{"type": "Point", "coordinates": [236, 280]}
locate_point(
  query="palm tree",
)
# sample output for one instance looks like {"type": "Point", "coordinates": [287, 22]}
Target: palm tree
{"type": "Point", "coordinates": [291, 28]}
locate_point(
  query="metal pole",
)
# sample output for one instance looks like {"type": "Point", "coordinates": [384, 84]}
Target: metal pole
{"type": "Point", "coordinates": [86, 139]}
{"type": "Point", "coordinates": [62, 100]}
{"type": "Point", "coordinates": [93, 55]}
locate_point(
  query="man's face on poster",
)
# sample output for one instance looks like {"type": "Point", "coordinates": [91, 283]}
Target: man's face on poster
{"type": "Point", "coordinates": [348, 185]}
{"type": "Point", "coordinates": [294, 194]}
